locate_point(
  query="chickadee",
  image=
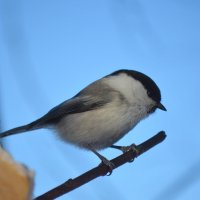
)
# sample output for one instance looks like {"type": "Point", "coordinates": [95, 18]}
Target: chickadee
{"type": "Point", "coordinates": [102, 113]}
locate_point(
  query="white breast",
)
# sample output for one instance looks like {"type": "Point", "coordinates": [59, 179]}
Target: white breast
{"type": "Point", "coordinates": [100, 128]}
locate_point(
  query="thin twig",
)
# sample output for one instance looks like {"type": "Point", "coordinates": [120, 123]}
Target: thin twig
{"type": "Point", "coordinates": [102, 169]}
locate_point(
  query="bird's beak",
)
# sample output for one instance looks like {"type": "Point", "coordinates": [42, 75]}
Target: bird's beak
{"type": "Point", "coordinates": [161, 107]}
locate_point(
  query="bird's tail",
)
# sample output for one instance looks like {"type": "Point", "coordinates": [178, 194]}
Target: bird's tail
{"type": "Point", "coordinates": [29, 127]}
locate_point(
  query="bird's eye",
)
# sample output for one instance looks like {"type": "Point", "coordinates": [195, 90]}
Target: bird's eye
{"type": "Point", "coordinates": [148, 93]}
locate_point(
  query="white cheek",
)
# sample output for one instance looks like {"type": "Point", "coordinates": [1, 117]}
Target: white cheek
{"type": "Point", "coordinates": [140, 95]}
{"type": "Point", "coordinates": [121, 83]}
{"type": "Point", "coordinates": [133, 91]}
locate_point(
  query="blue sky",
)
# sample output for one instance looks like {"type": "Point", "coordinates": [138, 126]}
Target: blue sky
{"type": "Point", "coordinates": [51, 49]}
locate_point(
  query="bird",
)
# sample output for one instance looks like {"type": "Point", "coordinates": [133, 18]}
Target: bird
{"type": "Point", "coordinates": [101, 113]}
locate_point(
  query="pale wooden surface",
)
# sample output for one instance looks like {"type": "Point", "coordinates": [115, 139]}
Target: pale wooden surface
{"type": "Point", "coordinates": [16, 181]}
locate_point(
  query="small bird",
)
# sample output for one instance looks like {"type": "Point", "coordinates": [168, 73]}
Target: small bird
{"type": "Point", "coordinates": [102, 113]}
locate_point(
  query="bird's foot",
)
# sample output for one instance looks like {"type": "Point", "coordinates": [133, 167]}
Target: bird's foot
{"type": "Point", "coordinates": [109, 164]}
{"type": "Point", "coordinates": [125, 149]}
{"type": "Point", "coordinates": [105, 161]}
{"type": "Point", "coordinates": [132, 147]}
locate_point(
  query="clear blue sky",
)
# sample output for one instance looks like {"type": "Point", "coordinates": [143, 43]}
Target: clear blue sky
{"type": "Point", "coordinates": [49, 50]}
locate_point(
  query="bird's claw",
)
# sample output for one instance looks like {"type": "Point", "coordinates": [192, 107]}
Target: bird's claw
{"type": "Point", "coordinates": [105, 161]}
{"type": "Point", "coordinates": [125, 149]}
{"type": "Point", "coordinates": [109, 164]}
{"type": "Point", "coordinates": [132, 147]}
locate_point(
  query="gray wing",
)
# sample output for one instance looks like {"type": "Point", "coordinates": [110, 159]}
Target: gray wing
{"type": "Point", "coordinates": [92, 97]}
{"type": "Point", "coordinates": [72, 106]}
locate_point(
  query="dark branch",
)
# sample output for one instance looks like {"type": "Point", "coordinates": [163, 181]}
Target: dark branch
{"type": "Point", "coordinates": [102, 169]}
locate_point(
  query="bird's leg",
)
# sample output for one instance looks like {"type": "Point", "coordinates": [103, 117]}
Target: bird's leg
{"type": "Point", "coordinates": [105, 161]}
{"type": "Point", "coordinates": [125, 149]}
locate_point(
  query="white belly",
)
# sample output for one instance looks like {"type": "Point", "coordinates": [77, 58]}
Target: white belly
{"type": "Point", "coordinates": [100, 128]}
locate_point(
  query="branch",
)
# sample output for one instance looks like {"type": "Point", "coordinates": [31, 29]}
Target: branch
{"type": "Point", "coordinates": [102, 169]}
